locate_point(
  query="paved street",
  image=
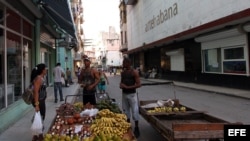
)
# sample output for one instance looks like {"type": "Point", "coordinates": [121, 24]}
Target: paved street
{"type": "Point", "coordinates": [229, 108]}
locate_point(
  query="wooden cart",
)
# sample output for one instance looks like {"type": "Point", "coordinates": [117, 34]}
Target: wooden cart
{"type": "Point", "coordinates": [189, 125]}
{"type": "Point", "coordinates": [63, 128]}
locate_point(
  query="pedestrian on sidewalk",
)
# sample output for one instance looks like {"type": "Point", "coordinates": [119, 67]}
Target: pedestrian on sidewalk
{"type": "Point", "coordinates": [130, 81]}
{"type": "Point", "coordinates": [39, 91]}
{"type": "Point", "coordinates": [58, 74]}
{"type": "Point", "coordinates": [103, 83]}
{"type": "Point", "coordinates": [88, 80]}
{"type": "Point", "coordinates": [68, 76]}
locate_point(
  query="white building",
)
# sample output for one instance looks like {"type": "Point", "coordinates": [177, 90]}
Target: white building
{"type": "Point", "coordinates": [194, 41]}
{"type": "Point", "coordinates": [107, 49]}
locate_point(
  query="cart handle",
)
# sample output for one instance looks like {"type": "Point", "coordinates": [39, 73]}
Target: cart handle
{"type": "Point", "coordinates": [69, 96]}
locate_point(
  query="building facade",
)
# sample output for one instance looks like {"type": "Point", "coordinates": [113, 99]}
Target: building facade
{"type": "Point", "coordinates": [204, 42]}
{"type": "Point", "coordinates": [31, 32]}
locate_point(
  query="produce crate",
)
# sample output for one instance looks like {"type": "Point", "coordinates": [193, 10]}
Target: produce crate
{"type": "Point", "coordinates": [177, 104]}
{"type": "Point", "coordinates": [191, 124]}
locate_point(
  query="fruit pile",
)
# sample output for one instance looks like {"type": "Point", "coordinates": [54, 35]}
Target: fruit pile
{"type": "Point", "coordinates": [70, 125]}
{"type": "Point", "coordinates": [66, 109]}
{"type": "Point", "coordinates": [108, 104]}
{"type": "Point", "coordinates": [50, 137]}
{"type": "Point", "coordinates": [78, 106]}
{"type": "Point", "coordinates": [109, 125]}
{"type": "Point", "coordinates": [109, 137]}
{"type": "Point", "coordinates": [167, 109]}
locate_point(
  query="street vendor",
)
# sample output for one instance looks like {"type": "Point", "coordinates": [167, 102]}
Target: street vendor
{"type": "Point", "coordinates": [88, 80]}
{"type": "Point", "coordinates": [130, 81]}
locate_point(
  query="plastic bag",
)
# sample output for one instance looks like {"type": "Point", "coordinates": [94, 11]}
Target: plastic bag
{"type": "Point", "coordinates": [89, 112]}
{"type": "Point", "coordinates": [162, 103]}
{"type": "Point", "coordinates": [37, 125]}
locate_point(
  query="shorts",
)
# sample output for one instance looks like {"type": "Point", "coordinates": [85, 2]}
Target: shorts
{"type": "Point", "coordinates": [101, 87]}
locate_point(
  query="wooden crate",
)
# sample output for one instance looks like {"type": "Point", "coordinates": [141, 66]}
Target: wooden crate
{"type": "Point", "coordinates": [191, 124]}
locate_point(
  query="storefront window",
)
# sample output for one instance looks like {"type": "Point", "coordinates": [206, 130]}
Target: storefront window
{"type": "Point", "coordinates": [15, 54]}
{"type": "Point", "coordinates": [234, 61]}
{"type": "Point", "coordinates": [14, 66]}
{"type": "Point", "coordinates": [234, 67]}
{"type": "Point", "coordinates": [13, 21]}
{"type": "Point", "coordinates": [27, 29]}
{"type": "Point", "coordinates": [27, 45]}
{"type": "Point", "coordinates": [234, 53]}
{"type": "Point", "coordinates": [2, 97]}
{"type": "Point", "coordinates": [1, 14]}
{"type": "Point", "coordinates": [212, 60]}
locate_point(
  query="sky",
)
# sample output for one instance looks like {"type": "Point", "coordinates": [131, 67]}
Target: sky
{"type": "Point", "coordinates": [99, 15]}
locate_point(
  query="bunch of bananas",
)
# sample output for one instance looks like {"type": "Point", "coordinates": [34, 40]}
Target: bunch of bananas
{"type": "Point", "coordinates": [109, 123]}
{"type": "Point", "coordinates": [157, 110]}
{"type": "Point", "coordinates": [167, 109]}
{"type": "Point", "coordinates": [103, 137]}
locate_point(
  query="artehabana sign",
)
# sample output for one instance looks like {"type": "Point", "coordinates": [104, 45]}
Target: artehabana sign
{"type": "Point", "coordinates": [162, 17]}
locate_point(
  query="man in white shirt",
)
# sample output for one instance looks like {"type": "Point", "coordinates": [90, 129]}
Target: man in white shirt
{"type": "Point", "coordinates": [58, 74]}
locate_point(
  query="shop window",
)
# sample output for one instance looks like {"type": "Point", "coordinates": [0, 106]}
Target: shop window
{"type": "Point", "coordinates": [212, 60]}
{"type": "Point", "coordinates": [234, 61]}
{"type": "Point", "coordinates": [27, 29]}
{"type": "Point", "coordinates": [2, 15]}
{"type": "Point", "coordinates": [13, 21]}
{"type": "Point", "coordinates": [14, 65]}
{"type": "Point", "coordinates": [234, 53]}
{"type": "Point", "coordinates": [238, 67]}
{"type": "Point", "coordinates": [225, 60]}
{"type": "Point", "coordinates": [27, 61]}
{"type": "Point", "coordinates": [2, 95]}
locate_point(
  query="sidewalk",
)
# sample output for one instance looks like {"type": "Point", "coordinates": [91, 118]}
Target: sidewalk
{"type": "Point", "coordinates": [21, 129]}
{"type": "Point", "coordinates": [219, 90]}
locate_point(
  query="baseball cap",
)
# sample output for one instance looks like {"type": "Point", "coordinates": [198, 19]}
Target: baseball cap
{"type": "Point", "coordinates": [86, 59]}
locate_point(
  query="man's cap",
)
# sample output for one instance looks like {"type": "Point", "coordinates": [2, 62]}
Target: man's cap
{"type": "Point", "coordinates": [85, 57]}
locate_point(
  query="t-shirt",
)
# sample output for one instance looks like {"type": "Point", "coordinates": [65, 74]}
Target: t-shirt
{"type": "Point", "coordinates": [58, 71]}
{"type": "Point", "coordinates": [68, 73]}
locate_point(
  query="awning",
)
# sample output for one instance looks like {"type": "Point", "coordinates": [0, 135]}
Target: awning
{"type": "Point", "coordinates": [31, 6]}
{"type": "Point", "coordinates": [60, 11]}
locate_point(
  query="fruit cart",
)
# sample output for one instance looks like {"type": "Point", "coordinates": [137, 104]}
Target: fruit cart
{"type": "Point", "coordinates": [70, 124]}
{"type": "Point", "coordinates": [182, 123]}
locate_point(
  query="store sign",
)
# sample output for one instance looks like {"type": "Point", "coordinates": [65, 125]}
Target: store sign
{"type": "Point", "coordinates": [162, 17]}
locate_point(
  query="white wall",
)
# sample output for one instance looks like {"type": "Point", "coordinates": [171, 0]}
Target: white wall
{"type": "Point", "coordinates": [114, 56]}
{"type": "Point", "coordinates": [190, 14]}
